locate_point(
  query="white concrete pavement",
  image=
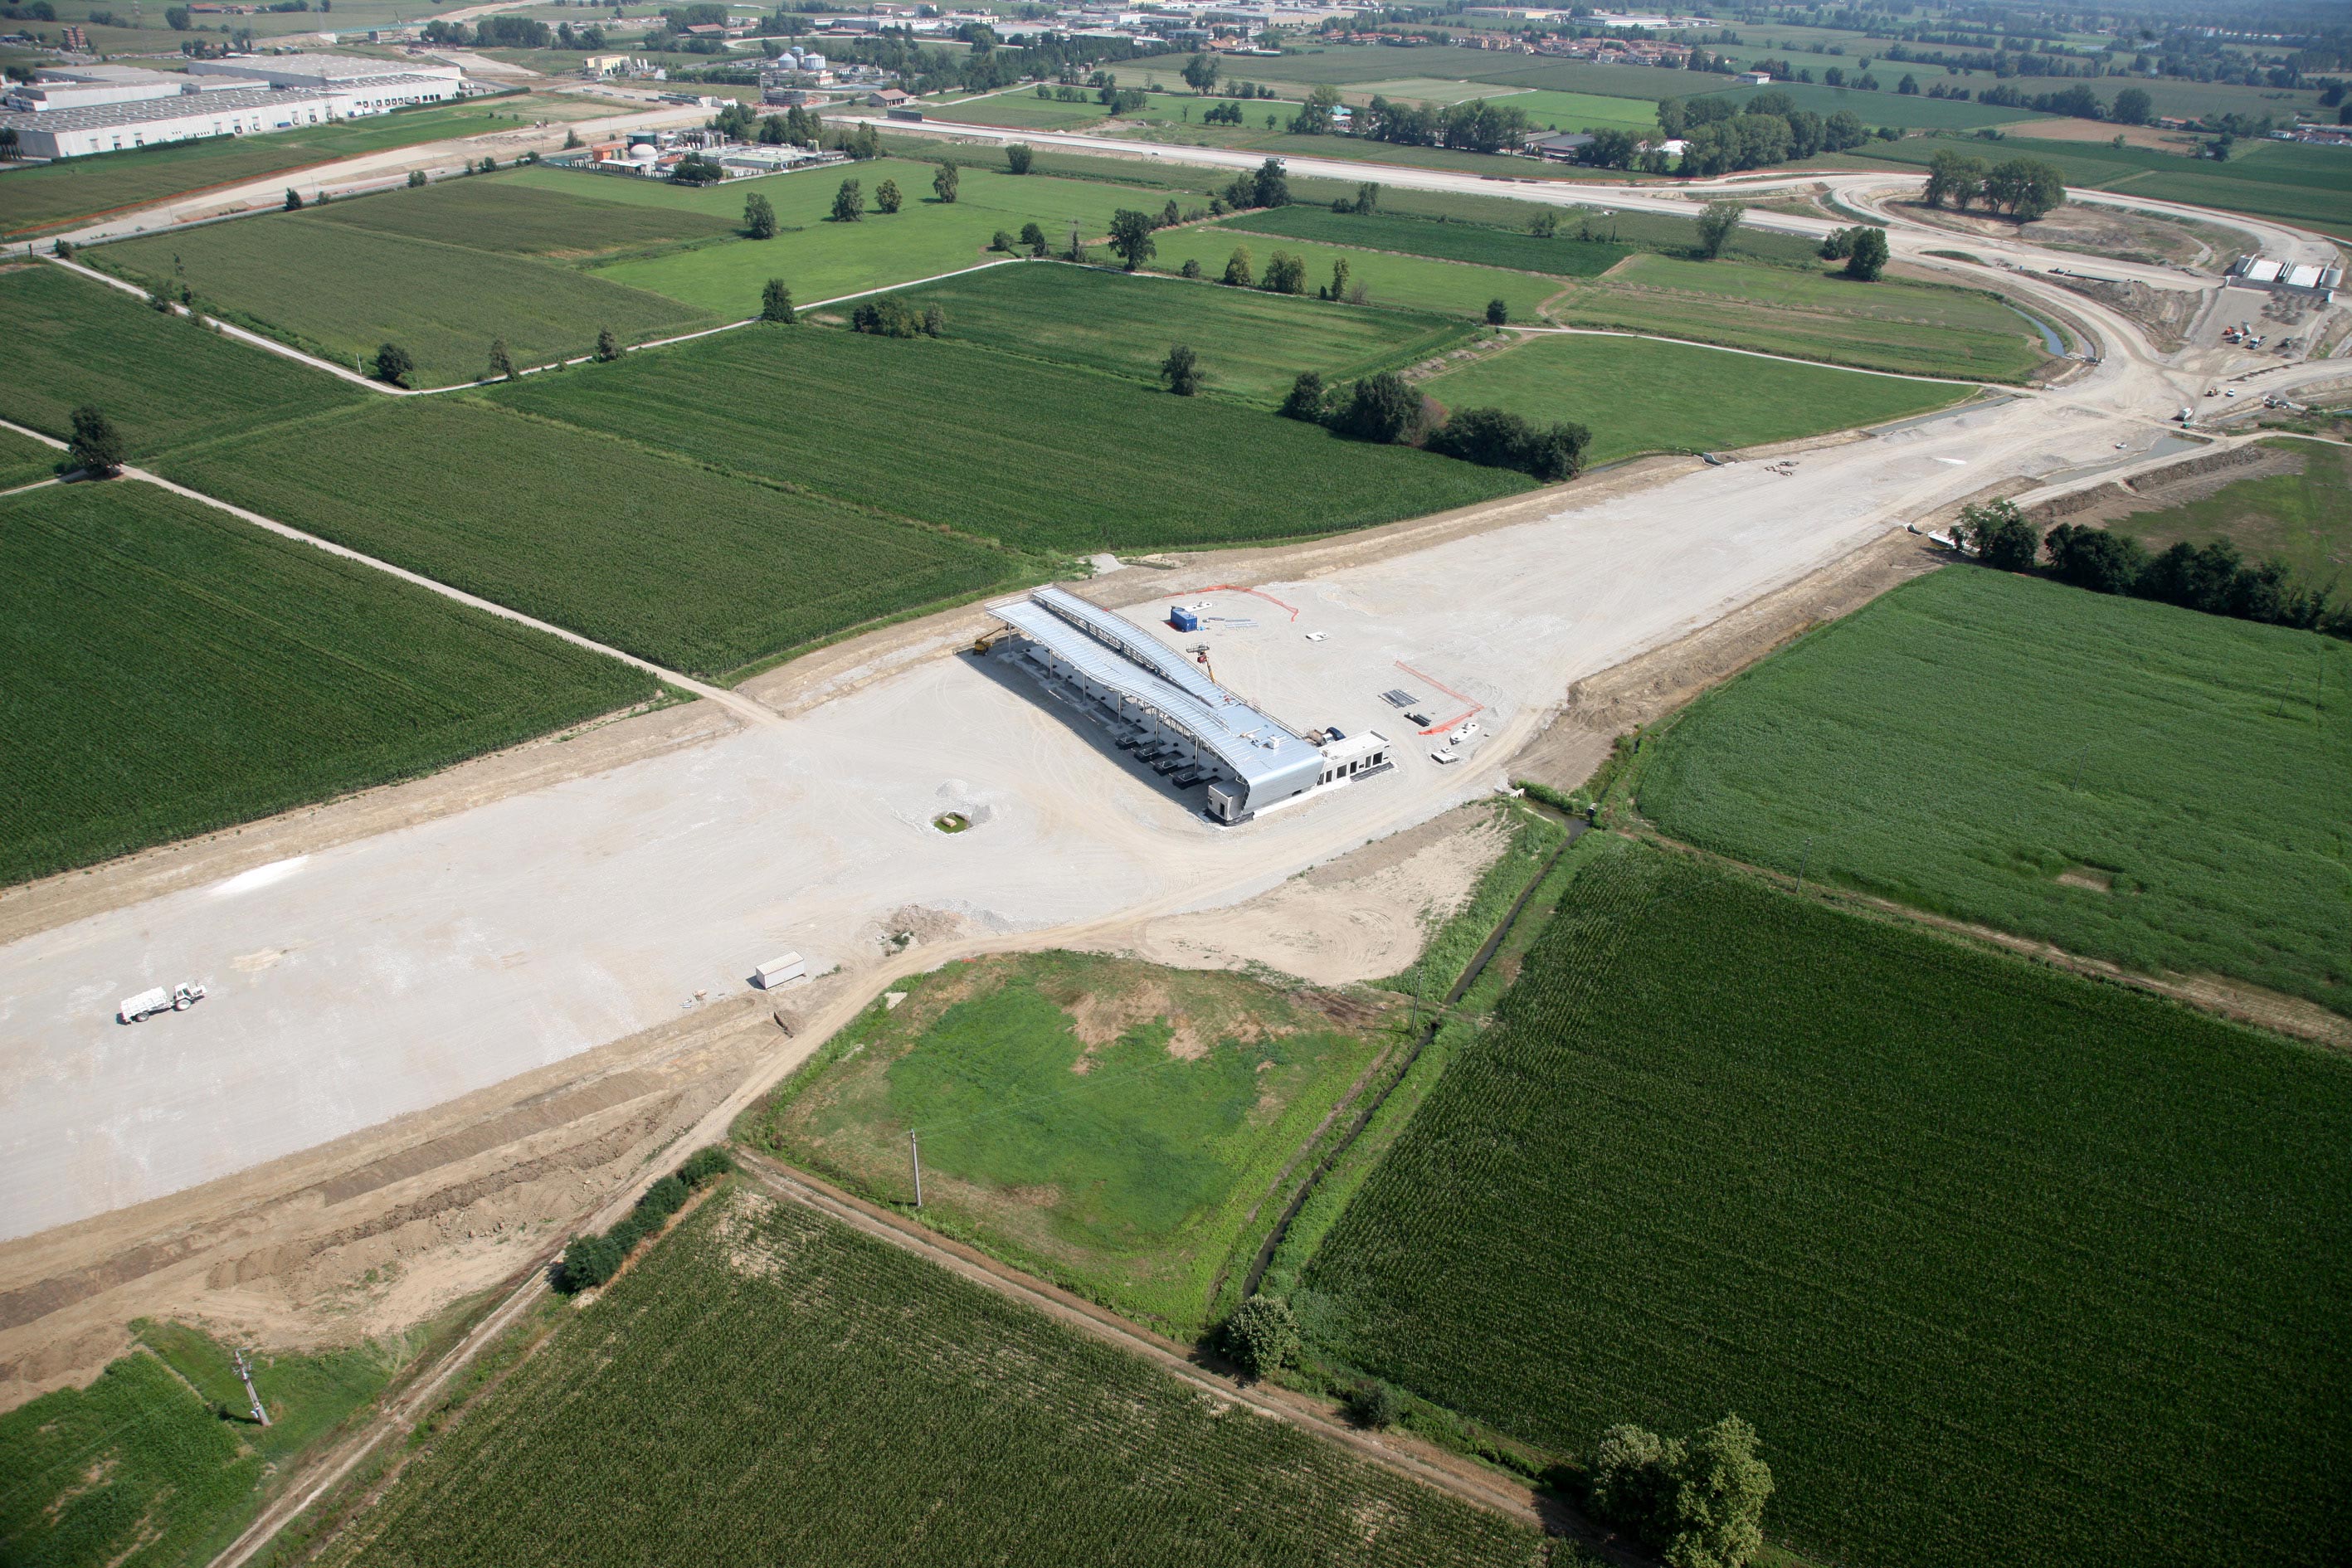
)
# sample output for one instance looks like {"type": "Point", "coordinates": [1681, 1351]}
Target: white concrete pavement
{"type": "Point", "coordinates": [395, 973]}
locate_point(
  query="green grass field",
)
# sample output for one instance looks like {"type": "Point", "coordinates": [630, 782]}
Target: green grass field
{"type": "Point", "coordinates": [1413, 282]}
{"type": "Point", "coordinates": [823, 260]}
{"type": "Point", "coordinates": [492, 213]}
{"type": "Point", "coordinates": [1640, 396]}
{"type": "Point", "coordinates": [341, 289]}
{"type": "Point", "coordinates": [1915, 328]}
{"type": "Point", "coordinates": [1044, 458]}
{"type": "Point", "coordinates": [1117, 1126]}
{"type": "Point", "coordinates": [2129, 781]}
{"type": "Point", "coordinates": [164, 380]}
{"type": "Point", "coordinates": [697, 570]}
{"type": "Point", "coordinates": [2002, 1265]}
{"type": "Point", "coordinates": [144, 1469]}
{"type": "Point", "coordinates": [769, 1387]}
{"type": "Point", "coordinates": [1252, 344]}
{"type": "Point", "coordinates": [2303, 518]}
{"type": "Point", "coordinates": [1562, 256]}
{"type": "Point", "coordinates": [171, 670]}
{"type": "Point", "coordinates": [55, 196]}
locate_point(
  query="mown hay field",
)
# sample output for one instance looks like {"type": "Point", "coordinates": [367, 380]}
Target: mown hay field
{"type": "Point", "coordinates": [1042, 457]}
{"type": "Point", "coordinates": [162, 379]}
{"type": "Point", "coordinates": [1251, 344]}
{"type": "Point", "coordinates": [1636, 395]}
{"type": "Point", "coordinates": [822, 259]}
{"type": "Point", "coordinates": [1562, 256]}
{"type": "Point", "coordinates": [342, 291]}
{"type": "Point", "coordinates": [1410, 282]}
{"type": "Point", "coordinates": [1117, 1126]}
{"type": "Point", "coordinates": [170, 670]}
{"type": "Point", "coordinates": [144, 1469]}
{"type": "Point", "coordinates": [697, 570]}
{"type": "Point", "coordinates": [490, 212]}
{"type": "Point", "coordinates": [767, 1387]}
{"type": "Point", "coordinates": [1913, 328]}
{"type": "Point", "coordinates": [2003, 1265]}
{"type": "Point", "coordinates": [2133, 782]}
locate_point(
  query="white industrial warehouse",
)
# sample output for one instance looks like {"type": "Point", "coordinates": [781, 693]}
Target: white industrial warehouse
{"type": "Point", "coordinates": [1176, 718]}
{"type": "Point", "coordinates": [71, 111]}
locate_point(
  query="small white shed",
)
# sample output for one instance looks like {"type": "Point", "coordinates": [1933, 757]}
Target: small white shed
{"type": "Point", "coordinates": [783, 970]}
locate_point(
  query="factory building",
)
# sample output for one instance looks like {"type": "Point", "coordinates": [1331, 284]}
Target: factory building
{"type": "Point", "coordinates": [75, 111]}
{"type": "Point", "coordinates": [2264, 272]}
{"type": "Point", "coordinates": [1188, 729]}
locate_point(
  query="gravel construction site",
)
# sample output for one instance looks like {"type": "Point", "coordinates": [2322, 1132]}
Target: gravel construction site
{"type": "Point", "coordinates": [383, 976]}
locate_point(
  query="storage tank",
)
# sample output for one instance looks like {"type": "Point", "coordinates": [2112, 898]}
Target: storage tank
{"type": "Point", "coordinates": [812, 62]}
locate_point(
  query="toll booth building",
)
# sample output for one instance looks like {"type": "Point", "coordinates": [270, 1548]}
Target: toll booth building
{"type": "Point", "coordinates": [1188, 729]}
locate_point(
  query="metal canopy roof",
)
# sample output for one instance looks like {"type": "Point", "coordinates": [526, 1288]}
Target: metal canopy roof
{"type": "Point", "coordinates": [1261, 751]}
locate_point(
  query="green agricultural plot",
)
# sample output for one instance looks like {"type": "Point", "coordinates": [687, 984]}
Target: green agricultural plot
{"type": "Point", "coordinates": [1562, 255]}
{"type": "Point", "coordinates": [1988, 1253]}
{"type": "Point", "coordinates": [822, 259]}
{"type": "Point", "coordinates": [1417, 283]}
{"type": "Point", "coordinates": [1117, 1126]}
{"type": "Point", "coordinates": [1044, 458]}
{"type": "Point", "coordinates": [1637, 394]}
{"type": "Point", "coordinates": [1917, 328]}
{"type": "Point", "coordinates": [162, 379]}
{"type": "Point", "coordinates": [342, 291]}
{"type": "Point", "coordinates": [1631, 230]}
{"type": "Point", "coordinates": [1251, 344]}
{"type": "Point", "coordinates": [492, 213]}
{"type": "Point", "coordinates": [2129, 781]}
{"type": "Point", "coordinates": [24, 460]}
{"type": "Point", "coordinates": [170, 670]}
{"type": "Point", "coordinates": [769, 1388]}
{"type": "Point", "coordinates": [55, 195]}
{"type": "Point", "coordinates": [1579, 110]}
{"type": "Point", "coordinates": [157, 1464]}
{"type": "Point", "coordinates": [2304, 518]}
{"type": "Point", "coordinates": [696, 570]}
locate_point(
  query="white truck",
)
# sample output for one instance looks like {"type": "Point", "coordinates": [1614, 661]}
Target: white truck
{"type": "Point", "coordinates": [157, 999]}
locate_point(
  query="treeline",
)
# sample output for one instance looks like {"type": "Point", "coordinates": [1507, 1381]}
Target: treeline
{"type": "Point", "coordinates": [590, 1259]}
{"type": "Point", "coordinates": [2214, 578]}
{"type": "Point", "coordinates": [1478, 126]}
{"type": "Point", "coordinates": [491, 33]}
{"type": "Point", "coordinates": [988, 66]}
{"type": "Point", "coordinates": [1720, 136]}
{"type": "Point", "coordinates": [1386, 410]}
{"type": "Point", "coordinates": [2024, 188]}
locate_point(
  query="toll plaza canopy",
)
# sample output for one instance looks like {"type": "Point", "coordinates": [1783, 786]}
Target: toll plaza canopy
{"type": "Point", "coordinates": [1145, 678]}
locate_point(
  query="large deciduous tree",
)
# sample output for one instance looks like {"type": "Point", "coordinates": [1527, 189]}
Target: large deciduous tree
{"type": "Point", "coordinates": [1131, 236]}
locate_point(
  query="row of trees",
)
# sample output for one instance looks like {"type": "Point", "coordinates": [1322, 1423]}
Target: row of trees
{"type": "Point", "coordinates": [590, 1259]}
{"type": "Point", "coordinates": [1386, 410]}
{"type": "Point", "coordinates": [2024, 188]}
{"type": "Point", "coordinates": [1478, 126]}
{"type": "Point", "coordinates": [2214, 577]}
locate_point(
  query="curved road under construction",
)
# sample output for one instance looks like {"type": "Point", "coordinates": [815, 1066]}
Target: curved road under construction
{"type": "Point", "coordinates": [397, 972]}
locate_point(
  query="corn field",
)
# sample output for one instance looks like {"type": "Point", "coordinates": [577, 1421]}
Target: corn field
{"type": "Point", "coordinates": [2005, 1266]}
{"type": "Point", "coordinates": [766, 1386]}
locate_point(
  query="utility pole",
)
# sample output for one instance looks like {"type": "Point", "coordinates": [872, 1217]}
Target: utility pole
{"type": "Point", "coordinates": [245, 1373]}
{"type": "Point", "coordinates": [1804, 860]}
{"type": "Point", "coordinates": [914, 1152]}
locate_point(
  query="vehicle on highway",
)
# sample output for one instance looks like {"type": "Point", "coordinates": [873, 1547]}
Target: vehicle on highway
{"type": "Point", "coordinates": [158, 999]}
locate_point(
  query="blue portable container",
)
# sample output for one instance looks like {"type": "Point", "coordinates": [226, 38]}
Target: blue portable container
{"type": "Point", "coordinates": [1184, 620]}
